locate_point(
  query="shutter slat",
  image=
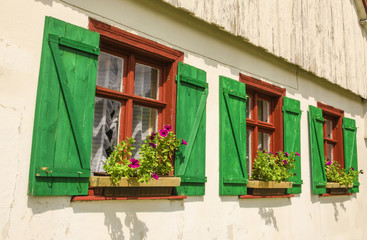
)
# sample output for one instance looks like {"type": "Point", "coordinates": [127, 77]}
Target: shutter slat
{"type": "Point", "coordinates": [317, 150]}
{"type": "Point", "coordinates": [292, 138]}
{"type": "Point", "coordinates": [194, 131]}
{"type": "Point", "coordinates": [232, 137]}
{"type": "Point", "coordinates": [192, 92]}
{"type": "Point", "coordinates": [68, 99]}
{"type": "Point", "coordinates": [350, 149]}
{"type": "Point", "coordinates": [63, 123]}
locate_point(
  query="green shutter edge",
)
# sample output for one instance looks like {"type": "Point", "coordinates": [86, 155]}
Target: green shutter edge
{"type": "Point", "coordinates": [318, 176]}
{"type": "Point", "coordinates": [192, 90]}
{"type": "Point", "coordinates": [54, 171]}
{"type": "Point", "coordinates": [292, 139]}
{"type": "Point", "coordinates": [350, 149]}
{"type": "Point", "coordinates": [232, 137]}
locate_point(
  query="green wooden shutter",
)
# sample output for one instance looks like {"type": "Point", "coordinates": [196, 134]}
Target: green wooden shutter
{"type": "Point", "coordinates": [350, 149]}
{"type": "Point", "coordinates": [192, 92]}
{"type": "Point", "coordinates": [317, 150]}
{"type": "Point", "coordinates": [292, 138]}
{"type": "Point", "coordinates": [63, 125]}
{"type": "Point", "coordinates": [232, 137]}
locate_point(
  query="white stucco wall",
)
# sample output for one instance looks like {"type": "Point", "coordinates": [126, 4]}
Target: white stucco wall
{"type": "Point", "coordinates": [304, 216]}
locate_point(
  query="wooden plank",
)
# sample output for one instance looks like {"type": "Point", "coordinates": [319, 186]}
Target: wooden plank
{"type": "Point", "coordinates": [270, 184]}
{"type": "Point", "coordinates": [101, 181]}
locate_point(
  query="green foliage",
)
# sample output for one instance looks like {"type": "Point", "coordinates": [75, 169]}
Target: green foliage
{"type": "Point", "coordinates": [334, 173]}
{"type": "Point", "coordinates": [156, 156]}
{"type": "Point", "coordinates": [273, 167]}
{"type": "Point", "coordinates": [117, 164]}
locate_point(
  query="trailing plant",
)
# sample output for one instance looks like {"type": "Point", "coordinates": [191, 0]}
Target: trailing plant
{"type": "Point", "coordinates": [273, 167]}
{"type": "Point", "coordinates": [119, 164]}
{"type": "Point", "coordinates": [156, 156]}
{"type": "Point", "coordinates": [335, 173]}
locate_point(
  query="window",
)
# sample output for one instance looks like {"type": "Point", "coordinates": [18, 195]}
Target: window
{"type": "Point", "coordinates": [264, 124]}
{"type": "Point", "coordinates": [263, 109]}
{"type": "Point", "coordinates": [135, 92]}
{"type": "Point", "coordinates": [333, 136]}
{"type": "Point", "coordinates": [131, 81]}
{"type": "Point", "coordinates": [333, 133]}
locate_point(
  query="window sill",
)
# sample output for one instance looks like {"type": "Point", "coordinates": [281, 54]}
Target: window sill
{"type": "Point", "coordinates": [252, 196]}
{"type": "Point", "coordinates": [92, 197]}
{"type": "Point", "coordinates": [335, 195]}
{"type": "Point", "coordinates": [103, 198]}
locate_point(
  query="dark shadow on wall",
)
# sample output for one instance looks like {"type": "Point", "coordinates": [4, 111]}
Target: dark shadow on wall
{"type": "Point", "coordinates": [122, 217]}
{"type": "Point", "coordinates": [114, 225]}
{"type": "Point", "coordinates": [137, 228]}
{"type": "Point", "coordinates": [266, 208]}
{"type": "Point", "coordinates": [268, 216]}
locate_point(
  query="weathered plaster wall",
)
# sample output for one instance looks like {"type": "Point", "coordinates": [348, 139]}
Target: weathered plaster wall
{"type": "Point", "coordinates": [209, 217]}
{"type": "Point", "coordinates": [322, 37]}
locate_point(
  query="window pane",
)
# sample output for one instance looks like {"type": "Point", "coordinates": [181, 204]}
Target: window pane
{"type": "Point", "coordinates": [105, 131]}
{"type": "Point", "coordinates": [144, 122]}
{"type": "Point", "coordinates": [329, 152]}
{"type": "Point", "coordinates": [248, 151]}
{"type": "Point", "coordinates": [263, 141]}
{"type": "Point", "coordinates": [263, 112]}
{"type": "Point", "coordinates": [329, 129]}
{"type": "Point", "coordinates": [146, 81]}
{"type": "Point", "coordinates": [248, 107]}
{"type": "Point", "coordinates": [110, 71]}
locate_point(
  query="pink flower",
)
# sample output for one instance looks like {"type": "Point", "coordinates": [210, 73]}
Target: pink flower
{"type": "Point", "coordinates": [286, 154]}
{"type": "Point", "coordinates": [155, 176]}
{"type": "Point", "coordinates": [184, 142]}
{"type": "Point", "coordinates": [163, 132]}
{"type": "Point", "coordinates": [298, 154]}
{"type": "Point", "coordinates": [134, 163]}
{"type": "Point", "coordinates": [168, 127]}
{"type": "Point", "coordinates": [328, 163]}
{"type": "Point", "coordinates": [152, 145]}
{"type": "Point", "coordinates": [285, 162]}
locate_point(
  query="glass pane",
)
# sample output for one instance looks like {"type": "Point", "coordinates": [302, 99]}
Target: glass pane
{"type": "Point", "coordinates": [105, 131]}
{"type": "Point", "coordinates": [248, 107]}
{"type": "Point", "coordinates": [248, 151]}
{"type": "Point", "coordinates": [146, 81]}
{"type": "Point", "coordinates": [144, 122]}
{"type": "Point", "coordinates": [263, 110]}
{"type": "Point", "coordinates": [263, 141]}
{"type": "Point", "coordinates": [329, 129]}
{"type": "Point", "coordinates": [330, 151]}
{"type": "Point", "coordinates": [110, 71]}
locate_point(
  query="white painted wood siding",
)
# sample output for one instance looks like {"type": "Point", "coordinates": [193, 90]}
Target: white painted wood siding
{"type": "Point", "coordinates": [322, 37]}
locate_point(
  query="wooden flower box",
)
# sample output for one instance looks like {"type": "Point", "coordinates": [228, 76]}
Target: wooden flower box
{"type": "Point", "coordinates": [336, 188]}
{"type": "Point", "coordinates": [162, 187]}
{"type": "Point", "coordinates": [271, 188]}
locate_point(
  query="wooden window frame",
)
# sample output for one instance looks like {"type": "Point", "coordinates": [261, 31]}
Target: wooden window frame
{"type": "Point", "coordinates": [135, 49]}
{"type": "Point", "coordinates": [336, 116]}
{"type": "Point", "coordinates": [257, 88]}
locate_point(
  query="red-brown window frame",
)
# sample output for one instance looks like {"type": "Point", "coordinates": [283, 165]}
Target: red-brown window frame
{"type": "Point", "coordinates": [274, 94]}
{"type": "Point", "coordinates": [135, 49]}
{"type": "Point", "coordinates": [336, 116]}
